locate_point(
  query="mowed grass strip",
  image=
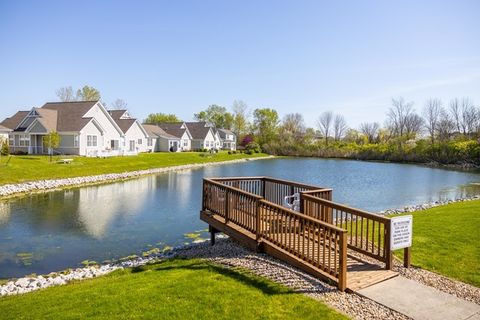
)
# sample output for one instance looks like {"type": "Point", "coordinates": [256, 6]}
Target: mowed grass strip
{"type": "Point", "coordinates": [29, 168]}
{"type": "Point", "coordinates": [446, 240]}
{"type": "Point", "coordinates": [176, 289]}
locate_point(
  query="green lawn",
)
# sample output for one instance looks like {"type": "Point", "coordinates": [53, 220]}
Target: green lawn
{"type": "Point", "coordinates": [27, 168]}
{"type": "Point", "coordinates": [178, 289]}
{"type": "Point", "coordinates": [446, 240]}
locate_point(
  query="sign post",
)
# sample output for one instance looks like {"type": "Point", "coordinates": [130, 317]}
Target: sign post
{"type": "Point", "coordinates": [401, 236]}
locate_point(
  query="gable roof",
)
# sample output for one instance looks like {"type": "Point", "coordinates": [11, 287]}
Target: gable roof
{"type": "Point", "coordinates": [154, 131]}
{"type": "Point", "coordinates": [198, 130]}
{"type": "Point", "coordinates": [48, 119]}
{"type": "Point", "coordinates": [15, 120]}
{"type": "Point", "coordinates": [4, 129]}
{"type": "Point", "coordinates": [176, 129]}
{"type": "Point", "coordinates": [70, 114]}
{"type": "Point", "coordinates": [123, 123]}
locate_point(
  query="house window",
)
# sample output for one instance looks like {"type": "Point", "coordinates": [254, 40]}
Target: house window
{"type": "Point", "coordinates": [11, 140]}
{"type": "Point", "coordinates": [114, 144]}
{"type": "Point", "coordinates": [139, 141]}
{"type": "Point", "coordinates": [75, 140]}
{"type": "Point", "coordinates": [185, 143]}
{"type": "Point", "coordinates": [24, 140]}
{"type": "Point", "coordinates": [132, 145]}
{"type": "Point", "coordinates": [149, 142]}
{"type": "Point", "coordinates": [91, 141]}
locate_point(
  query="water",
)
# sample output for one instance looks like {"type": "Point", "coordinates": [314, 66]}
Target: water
{"type": "Point", "coordinates": [56, 230]}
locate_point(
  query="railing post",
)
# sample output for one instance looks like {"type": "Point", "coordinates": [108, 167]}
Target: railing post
{"type": "Point", "coordinates": [258, 231]}
{"type": "Point", "coordinates": [204, 193]}
{"type": "Point", "coordinates": [342, 274]}
{"type": "Point", "coordinates": [386, 243]}
{"type": "Point", "coordinates": [227, 206]}
{"type": "Point", "coordinates": [264, 184]}
{"type": "Point", "coordinates": [302, 204]}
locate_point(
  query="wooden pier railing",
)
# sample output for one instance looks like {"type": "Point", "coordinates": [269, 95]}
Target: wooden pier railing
{"type": "Point", "coordinates": [318, 234]}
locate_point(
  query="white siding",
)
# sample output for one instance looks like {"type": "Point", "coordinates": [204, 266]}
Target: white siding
{"type": "Point", "coordinates": [136, 133]}
{"type": "Point", "coordinates": [106, 122]}
{"type": "Point", "coordinates": [92, 151]}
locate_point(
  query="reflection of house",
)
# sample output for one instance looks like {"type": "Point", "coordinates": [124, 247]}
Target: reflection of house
{"type": "Point", "coordinates": [228, 139]}
{"type": "Point", "coordinates": [203, 136]}
{"type": "Point", "coordinates": [135, 136]}
{"type": "Point", "coordinates": [85, 128]}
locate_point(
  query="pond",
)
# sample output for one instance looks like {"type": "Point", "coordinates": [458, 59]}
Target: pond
{"type": "Point", "coordinates": [57, 230]}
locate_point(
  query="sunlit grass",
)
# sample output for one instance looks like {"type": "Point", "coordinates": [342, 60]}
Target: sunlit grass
{"type": "Point", "coordinates": [178, 289]}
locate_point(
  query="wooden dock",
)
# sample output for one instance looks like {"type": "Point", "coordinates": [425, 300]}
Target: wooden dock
{"type": "Point", "coordinates": [342, 245]}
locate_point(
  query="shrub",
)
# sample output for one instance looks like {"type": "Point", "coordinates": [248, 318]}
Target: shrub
{"type": "Point", "coordinates": [253, 147]}
{"type": "Point", "coordinates": [229, 152]}
{"type": "Point", "coordinates": [5, 149]}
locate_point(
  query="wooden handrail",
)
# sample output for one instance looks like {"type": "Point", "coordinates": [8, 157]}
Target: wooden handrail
{"type": "Point", "coordinates": [303, 216]}
{"type": "Point", "coordinates": [348, 209]}
{"type": "Point", "coordinates": [248, 194]}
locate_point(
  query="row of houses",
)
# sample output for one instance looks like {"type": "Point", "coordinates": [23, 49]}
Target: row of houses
{"type": "Point", "coordinates": [87, 128]}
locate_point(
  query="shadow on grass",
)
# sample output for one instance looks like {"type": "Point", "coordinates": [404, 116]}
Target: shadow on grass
{"type": "Point", "coordinates": [237, 274]}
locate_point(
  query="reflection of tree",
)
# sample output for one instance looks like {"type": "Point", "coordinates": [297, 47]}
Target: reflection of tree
{"type": "Point", "coordinates": [98, 206]}
{"type": "Point", "coordinates": [4, 212]}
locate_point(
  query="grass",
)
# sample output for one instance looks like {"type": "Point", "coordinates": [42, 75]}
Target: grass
{"type": "Point", "coordinates": [446, 240]}
{"type": "Point", "coordinates": [18, 169]}
{"type": "Point", "coordinates": [177, 289]}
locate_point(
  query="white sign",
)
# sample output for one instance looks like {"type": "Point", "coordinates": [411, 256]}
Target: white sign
{"type": "Point", "coordinates": [401, 232]}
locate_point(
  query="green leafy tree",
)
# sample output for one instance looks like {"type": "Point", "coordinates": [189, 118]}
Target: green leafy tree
{"type": "Point", "coordinates": [265, 124]}
{"type": "Point", "coordinates": [155, 118]}
{"type": "Point", "coordinates": [240, 119]}
{"type": "Point", "coordinates": [51, 141]}
{"type": "Point", "coordinates": [216, 116]}
{"type": "Point", "coordinates": [88, 94]}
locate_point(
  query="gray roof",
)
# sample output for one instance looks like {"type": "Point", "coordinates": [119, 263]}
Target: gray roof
{"type": "Point", "coordinates": [198, 130]}
{"type": "Point", "coordinates": [4, 129]}
{"type": "Point", "coordinates": [173, 128]}
{"type": "Point", "coordinates": [124, 124]}
{"type": "Point", "coordinates": [154, 131]}
{"type": "Point", "coordinates": [14, 121]}
{"type": "Point", "coordinates": [70, 114]}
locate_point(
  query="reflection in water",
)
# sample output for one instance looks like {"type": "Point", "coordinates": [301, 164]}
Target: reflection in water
{"type": "Point", "coordinates": [98, 206]}
{"type": "Point", "coordinates": [59, 229]}
{"type": "Point", "coordinates": [4, 212]}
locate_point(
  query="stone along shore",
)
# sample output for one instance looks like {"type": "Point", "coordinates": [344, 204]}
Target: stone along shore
{"type": "Point", "coordinates": [51, 184]}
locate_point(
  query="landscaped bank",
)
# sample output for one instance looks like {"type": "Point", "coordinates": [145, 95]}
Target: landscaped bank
{"type": "Point", "coordinates": [163, 163]}
{"type": "Point", "coordinates": [175, 289]}
{"type": "Point", "coordinates": [17, 169]}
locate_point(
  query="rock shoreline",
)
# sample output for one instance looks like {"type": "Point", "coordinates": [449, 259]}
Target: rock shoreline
{"type": "Point", "coordinates": [52, 184]}
{"type": "Point", "coordinates": [425, 206]}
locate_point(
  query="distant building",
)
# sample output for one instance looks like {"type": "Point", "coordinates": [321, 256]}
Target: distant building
{"type": "Point", "coordinates": [228, 139]}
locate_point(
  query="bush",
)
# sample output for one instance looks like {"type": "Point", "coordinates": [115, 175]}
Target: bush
{"type": "Point", "coordinates": [253, 147]}
{"type": "Point", "coordinates": [229, 152]}
{"type": "Point", "coordinates": [5, 149]}
{"type": "Point", "coordinates": [248, 152]}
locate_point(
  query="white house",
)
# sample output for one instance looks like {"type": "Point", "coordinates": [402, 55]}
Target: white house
{"type": "Point", "coordinates": [180, 131]}
{"type": "Point", "coordinates": [85, 128]}
{"type": "Point", "coordinates": [4, 131]}
{"type": "Point", "coordinates": [135, 137]}
{"type": "Point", "coordinates": [159, 140]}
{"type": "Point", "coordinates": [203, 136]}
{"type": "Point", "coordinates": [228, 139]}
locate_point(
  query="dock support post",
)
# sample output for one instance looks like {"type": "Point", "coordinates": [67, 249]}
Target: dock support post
{"type": "Point", "coordinates": [212, 231]}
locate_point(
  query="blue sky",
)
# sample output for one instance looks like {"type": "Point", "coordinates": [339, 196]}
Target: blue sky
{"type": "Point", "coordinates": [350, 57]}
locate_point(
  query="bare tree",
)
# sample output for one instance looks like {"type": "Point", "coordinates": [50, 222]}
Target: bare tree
{"type": "Point", "coordinates": [339, 127]}
{"type": "Point", "coordinates": [455, 112]}
{"type": "Point", "coordinates": [468, 117]}
{"type": "Point", "coordinates": [398, 115]}
{"type": "Point", "coordinates": [293, 124]}
{"type": "Point", "coordinates": [324, 124]}
{"type": "Point", "coordinates": [445, 126]}
{"type": "Point", "coordinates": [119, 104]}
{"type": "Point", "coordinates": [370, 130]}
{"type": "Point", "coordinates": [432, 111]}
{"type": "Point", "coordinates": [413, 124]}
{"type": "Point", "coordinates": [65, 94]}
